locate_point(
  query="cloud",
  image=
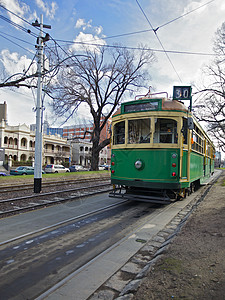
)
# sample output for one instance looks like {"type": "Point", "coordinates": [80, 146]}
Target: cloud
{"type": "Point", "coordinates": [90, 40]}
{"type": "Point", "coordinates": [24, 11]}
{"type": "Point", "coordinates": [192, 33]}
{"type": "Point", "coordinates": [14, 63]}
{"type": "Point", "coordinates": [20, 101]}
{"type": "Point", "coordinates": [81, 23]}
{"type": "Point", "coordinates": [20, 104]}
{"type": "Point", "coordinates": [49, 9]}
{"type": "Point", "coordinates": [16, 7]}
{"type": "Point", "coordinates": [87, 41]}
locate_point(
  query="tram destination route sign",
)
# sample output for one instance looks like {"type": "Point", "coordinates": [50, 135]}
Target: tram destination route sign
{"type": "Point", "coordinates": [182, 92]}
{"type": "Point", "coordinates": [144, 106]}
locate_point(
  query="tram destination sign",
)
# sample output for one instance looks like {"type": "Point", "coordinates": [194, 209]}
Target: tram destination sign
{"type": "Point", "coordinates": [182, 92]}
{"type": "Point", "coordinates": [143, 106]}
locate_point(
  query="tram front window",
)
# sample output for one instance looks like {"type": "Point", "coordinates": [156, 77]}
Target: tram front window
{"type": "Point", "coordinates": [165, 131]}
{"type": "Point", "coordinates": [119, 133]}
{"type": "Point", "coordinates": [139, 131]}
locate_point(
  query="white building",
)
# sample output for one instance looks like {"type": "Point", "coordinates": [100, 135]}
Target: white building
{"type": "Point", "coordinates": [18, 143]}
{"type": "Point", "coordinates": [81, 153]}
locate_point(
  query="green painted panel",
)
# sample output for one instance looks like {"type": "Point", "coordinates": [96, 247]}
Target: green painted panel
{"type": "Point", "coordinates": [196, 166]}
{"type": "Point", "coordinates": [156, 164]}
{"type": "Point", "coordinates": [184, 164]}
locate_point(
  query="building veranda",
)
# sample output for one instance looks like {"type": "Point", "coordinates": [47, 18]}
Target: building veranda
{"type": "Point", "coordinates": [18, 144]}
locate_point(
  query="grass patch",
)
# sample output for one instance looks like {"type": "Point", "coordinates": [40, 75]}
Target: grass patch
{"type": "Point", "coordinates": [46, 177]}
{"type": "Point", "coordinates": [171, 265]}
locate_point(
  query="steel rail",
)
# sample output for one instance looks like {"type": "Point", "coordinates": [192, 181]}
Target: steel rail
{"type": "Point", "coordinates": [22, 186]}
{"type": "Point", "coordinates": [51, 193]}
{"type": "Point", "coordinates": [63, 222]}
{"type": "Point", "coordinates": [52, 202]}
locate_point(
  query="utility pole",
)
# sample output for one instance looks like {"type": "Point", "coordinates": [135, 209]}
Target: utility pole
{"type": "Point", "coordinates": [38, 131]}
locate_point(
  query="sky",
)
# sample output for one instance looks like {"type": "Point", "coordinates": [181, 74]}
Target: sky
{"type": "Point", "coordinates": [187, 28]}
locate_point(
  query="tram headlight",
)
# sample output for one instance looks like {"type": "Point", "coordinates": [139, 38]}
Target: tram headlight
{"type": "Point", "coordinates": [138, 164]}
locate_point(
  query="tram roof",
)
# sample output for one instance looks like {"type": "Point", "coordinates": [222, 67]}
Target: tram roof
{"type": "Point", "coordinates": [163, 104]}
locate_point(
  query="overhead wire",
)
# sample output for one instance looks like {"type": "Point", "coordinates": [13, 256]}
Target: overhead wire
{"type": "Point", "coordinates": [24, 20]}
{"type": "Point", "coordinates": [18, 26]}
{"type": "Point", "coordinates": [14, 37]}
{"type": "Point", "coordinates": [155, 31]}
{"type": "Point", "coordinates": [114, 36]}
{"type": "Point", "coordinates": [16, 44]}
{"type": "Point", "coordinates": [184, 15]}
{"type": "Point", "coordinates": [24, 29]}
{"type": "Point", "coordinates": [137, 48]}
{"type": "Point", "coordinates": [120, 35]}
{"type": "Point", "coordinates": [146, 30]}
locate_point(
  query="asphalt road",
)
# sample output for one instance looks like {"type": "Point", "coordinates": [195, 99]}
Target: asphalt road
{"type": "Point", "coordinates": [34, 264]}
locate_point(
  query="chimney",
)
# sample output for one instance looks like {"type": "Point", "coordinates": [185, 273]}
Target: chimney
{"type": "Point", "coordinates": [3, 111]}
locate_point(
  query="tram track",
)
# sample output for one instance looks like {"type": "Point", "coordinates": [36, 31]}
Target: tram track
{"type": "Point", "coordinates": [54, 225]}
{"type": "Point", "coordinates": [18, 186]}
{"type": "Point", "coordinates": [34, 263]}
{"type": "Point", "coordinates": [20, 204]}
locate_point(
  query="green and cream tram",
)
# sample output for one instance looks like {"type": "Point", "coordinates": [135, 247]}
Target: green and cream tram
{"type": "Point", "coordinates": [159, 150]}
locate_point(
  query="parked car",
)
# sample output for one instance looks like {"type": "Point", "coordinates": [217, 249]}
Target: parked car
{"type": "Point", "coordinates": [23, 170]}
{"type": "Point", "coordinates": [3, 174]}
{"type": "Point", "coordinates": [79, 167]}
{"type": "Point", "coordinates": [76, 168]}
{"type": "Point", "coordinates": [56, 169]}
{"type": "Point", "coordinates": [107, 167]}
{"type": "Point", "coordinates": [73, 168]}
{"type": "Point", "coordinates": [101, 167]}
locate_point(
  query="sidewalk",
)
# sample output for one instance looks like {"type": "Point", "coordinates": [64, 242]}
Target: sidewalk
{"type": "Point", "coordinates": [193, 266]}
{"type": "Point", "coordinates": [124, 271]}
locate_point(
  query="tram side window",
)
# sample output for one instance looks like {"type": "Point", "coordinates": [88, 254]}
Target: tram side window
{"type": "Point", "coordinates": [139, 131]}
{"type": "Point", "coordinates": [209, 150]}
{"type": "Point", "coordinates": [119, 133]}
{"type": "Point", "coordinates": [197, 140]}
{"type": "Point", "coordinates": [165, 131]}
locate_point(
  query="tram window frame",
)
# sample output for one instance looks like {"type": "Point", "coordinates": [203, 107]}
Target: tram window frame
{"type": "Point", "coordinates": [119, 137]}
{"type": "Point", "coordinates": [167, 136]}
{"type": "Point", "coordinates": [141, 131]}
{"type": "Point", "coordinates": [197, 140]}
{"type": "Point", "coordinates": [184, 130]}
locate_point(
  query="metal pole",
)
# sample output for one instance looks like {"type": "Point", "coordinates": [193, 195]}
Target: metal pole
{"type": "Point", "coordinates": [38, 132]}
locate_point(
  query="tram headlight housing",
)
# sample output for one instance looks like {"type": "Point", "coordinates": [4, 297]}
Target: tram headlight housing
{"type": "Point", "coordinates": [139, 164]}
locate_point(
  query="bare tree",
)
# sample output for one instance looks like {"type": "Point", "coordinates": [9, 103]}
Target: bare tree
{"type": "Point", "coordinates": [211, 103]}
{"type": "Point", "coordinates": [99, 79]}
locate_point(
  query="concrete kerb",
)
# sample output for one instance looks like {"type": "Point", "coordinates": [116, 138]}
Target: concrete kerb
{"type": "Point", "coordinates": [125, 282]}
